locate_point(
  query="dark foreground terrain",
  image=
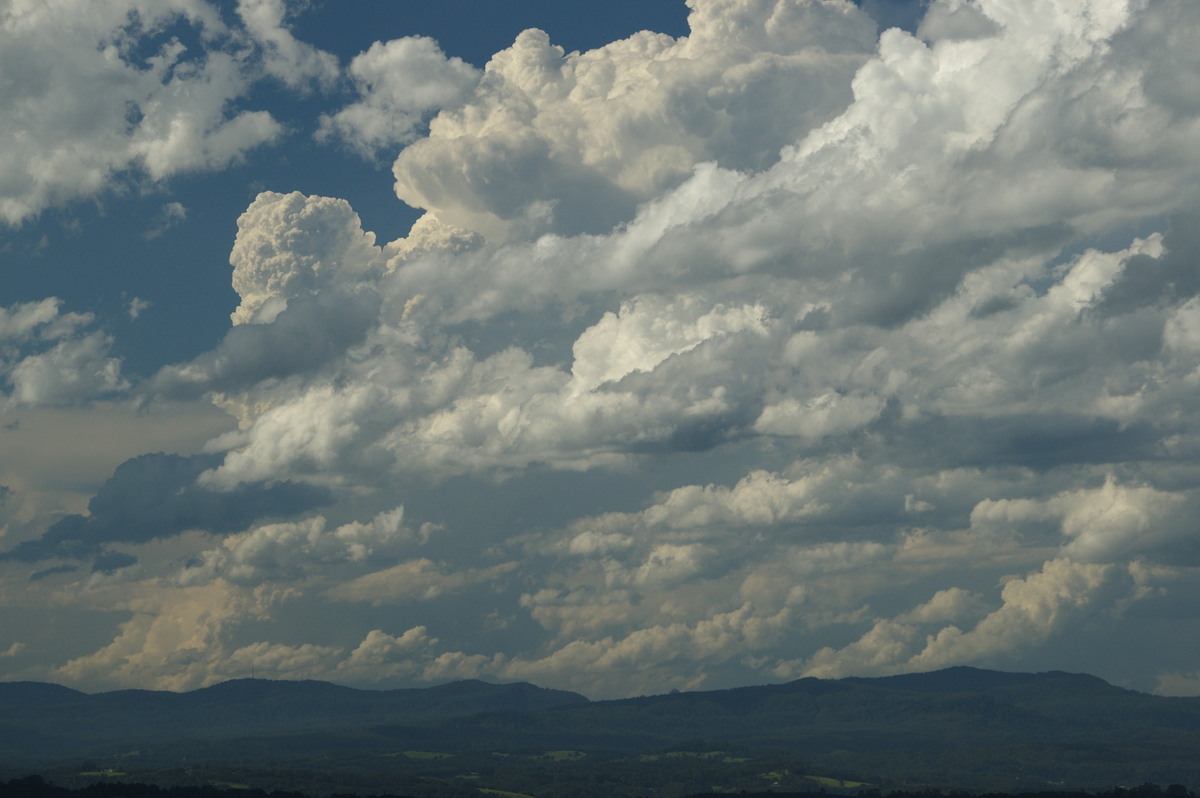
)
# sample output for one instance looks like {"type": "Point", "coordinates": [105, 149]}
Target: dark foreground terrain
{"type": "Point", "coordinates": [37, 787]}
{"type": "Point", "coordinates": [957, 729]}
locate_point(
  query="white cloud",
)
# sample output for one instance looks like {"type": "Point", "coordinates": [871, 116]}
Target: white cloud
{"type": "Point", "coordinates": [415, 580]}
{"type": "Point", "coordinates": [650, 658]}
{"type": "Point", "coordinates": [1032, 610]}
{"type": "Point", "coordinates": [381, 656]}
{"type": "Point", "coordinates": [649, 329]}
{"type": "Point", "coordinates": [172, 641]}
{"type": "Point", "coordinates": [827, 414]}
{"type": "Point", "coordinates": [290, 245]}
{"type": "Point", "coordinates": [402, 83]}
{"type": "Point", "coordinates": [184, 127]}
{"type": "Point", "coordinates": [172, 213]}
{"type": "Point", "coordinates": [1106, 524]}
{"type": "Point", "coordinates": [276, 658]}
{"type": "Point", "coordinates": [17, 322]}
{"type": "Point", "coordinates": [48, 358]}
{"type": "Point", "coordinates": [571, 142]}
{"type": "Point", "coordinates": [101, 92]}
{"type": "Point", "coordinates": [136, 306]}
{"type": "Point", "coordinates": [285, 58]}
{"type": "Point", "coordinates": [73, 370]}
{"type": "Point", "coordinates": [13, 650]}
{"type": "Point", "coordinates": [764, 304]}
{"type": "Point", "coordinates": [955, 19]}
{"type": "Point", "coordinates": [289, 551]}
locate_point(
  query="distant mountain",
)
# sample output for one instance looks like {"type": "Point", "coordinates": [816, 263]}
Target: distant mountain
{"type": "Point", "coordinates": [49, 719]}
{"type": "Point", "coordinates": [981, 725]}
{"type": "Point", "coordinates": [943, 710]}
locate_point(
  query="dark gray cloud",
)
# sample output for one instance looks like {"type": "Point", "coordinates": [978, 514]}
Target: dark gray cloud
{"type": "Point", "coordinates": [57, 569]}
{"type": "Point", "coordinates": [1038, 442]}
{"type": "Point", "coordinates": [1172, 278]}
{"type": "Point", "coordinates": [155, 496]}
{"type": "Point", "coordinates": [112, 561]}
{"type": "Point", "coordinates": [309, 333]}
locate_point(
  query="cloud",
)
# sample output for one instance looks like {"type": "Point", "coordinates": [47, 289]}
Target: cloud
{"type": "Point", "coordinates": [572, 142]}
{"type": "Point", "coordinates": [311, 331]}
{"type": "Point", "coordinates": [173, 638]}
{"type": "Point", "coordinates": [760, 499]}
{"type": "Point", "coordinates": [1032, 609]}
{"type": "Point", "coordinates": [19, 321]}
{"type": "Point", "coordinates": [652, 657]}
{"type": "Point", "coordinates": [290, 246]}
{"type": "Point", "coordinates": [402, 84]}
{"type": "Point", "coordinates": [955, 19]}
{"type": "Point", "coordinates": [648, 330]}
{"type": "Point", "coordinates": [272, 658]}
{"type": "Point", "coordinates": [763, 304]}
{"type": "Point", "coordinates": [72, 370]}
{"type": "Point", "coordinates": [1106, 524]}
{"type": "Point", "coordinates": [1183, 684]}
{"type": "Point", "coordinates": [172, 213]}
{"type": "Point", "coordinates": [107, 92]}
{"type": "Point", "coordinates": [415, 580]}
{"type": "Point", "coordinates": [290, 550]}
{"type": "Point", "coordinates": [782, 348]}
{"type": "Point", "coordinates": [378, 648]}
{"type": "Point", "coordinates": [155, 496]}
{"type": "Point", "coordinates": [380, 657]}
{"type": "Point", "coordinates": [873, 286]}
{"type": "Point", "coordinates": [284, 57]}
{"type": "Point", "coordinates": [136, 306]}
{"type": "Point", "coordinates": [48, 358]}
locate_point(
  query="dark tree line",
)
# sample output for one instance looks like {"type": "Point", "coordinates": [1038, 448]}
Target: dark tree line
{"type": "Point", "coordinates": [37, 787]}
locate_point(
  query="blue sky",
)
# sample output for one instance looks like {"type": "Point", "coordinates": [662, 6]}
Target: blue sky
{"type": "Point", "coordinates": [620, 347]}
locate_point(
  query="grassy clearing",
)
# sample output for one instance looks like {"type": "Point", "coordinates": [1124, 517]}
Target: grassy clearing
{"type": "Point", "coordinates": [504, 793]}
{"type": "Point", "coordinates": [563, 756]}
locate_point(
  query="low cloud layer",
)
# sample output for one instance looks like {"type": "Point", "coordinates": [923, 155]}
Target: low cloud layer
{"type": "Point", "coordinates": [790, 347]}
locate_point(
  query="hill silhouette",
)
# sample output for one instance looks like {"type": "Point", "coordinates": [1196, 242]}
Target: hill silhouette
{"type": "Point", "coordinates": [958, 727]}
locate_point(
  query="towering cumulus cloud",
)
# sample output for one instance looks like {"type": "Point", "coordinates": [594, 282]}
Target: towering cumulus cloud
{"type": "Point", "coordinates": [572, 143]}
{"type": "Point", "coordinates": [788, 347]}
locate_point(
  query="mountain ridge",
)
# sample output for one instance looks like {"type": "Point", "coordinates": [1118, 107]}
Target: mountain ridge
{"type": "Point", "coordinates": [954, 720]}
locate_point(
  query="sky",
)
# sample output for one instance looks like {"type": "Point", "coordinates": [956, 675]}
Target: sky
{"type": "Point", "coordinates": [616, 347]}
